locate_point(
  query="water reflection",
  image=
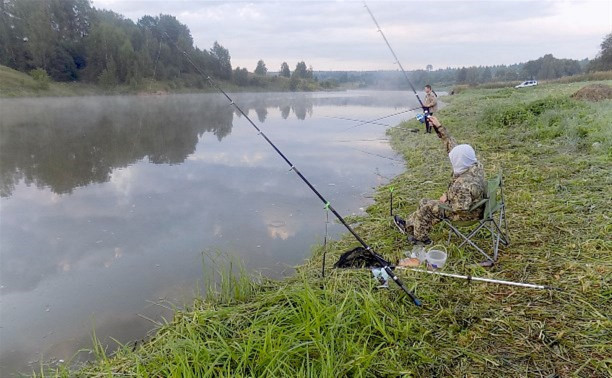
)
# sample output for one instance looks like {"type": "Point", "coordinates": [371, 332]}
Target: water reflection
{"type": "Point", "coordinates": [109, 202]}
{"type": "Point", "coordinates": [62, 147]}
{"type": "Point", "coordinates": [66, 143]}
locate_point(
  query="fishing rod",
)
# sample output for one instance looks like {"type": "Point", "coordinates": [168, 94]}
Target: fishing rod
{"type": "Point", "coordinates": [386, 266]}
{"type": "Point", "coordinates": [425, 109]}
{"type": "Point", "coordinates": [488, 280]}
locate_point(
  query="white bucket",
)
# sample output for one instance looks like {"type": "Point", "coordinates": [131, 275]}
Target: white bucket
{"type": "Point", "coordinates": [436, 258]}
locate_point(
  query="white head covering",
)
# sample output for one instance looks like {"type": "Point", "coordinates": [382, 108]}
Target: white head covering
{"type": "Point", "coordinates": [462, 157]}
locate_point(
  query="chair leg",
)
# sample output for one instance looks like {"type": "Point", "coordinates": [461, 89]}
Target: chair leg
{"type": "Point", "coordinates": [451, 229]}
{"type": "Point", "coordinates": [467, 240]}
{"type": "Point", "coordinates": [496, 243]}
{"type": "Point", "coordinates": [506, 229]}
{"type": "Point", "coordinates": [504, 235]}
{"type": "Point", "coordinates": [472, 233]}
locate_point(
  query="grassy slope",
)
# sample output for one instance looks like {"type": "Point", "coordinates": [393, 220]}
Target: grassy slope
{"type": "Point", "coordinates": [556, 155]}
{"type": "Point", "coordinates": [18, 84]}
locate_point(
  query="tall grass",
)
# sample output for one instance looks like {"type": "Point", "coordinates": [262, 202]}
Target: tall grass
{"type": "Point", "coordinates": [557, 191]}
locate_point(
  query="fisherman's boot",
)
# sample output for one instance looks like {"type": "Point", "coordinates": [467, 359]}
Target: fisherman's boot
{"type": "Point", "coordinates": [415, 241]}
{"type": "Point", "coordinates": [403, 226]}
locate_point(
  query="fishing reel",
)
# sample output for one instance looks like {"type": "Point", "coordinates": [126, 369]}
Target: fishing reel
{"type": "Point", "coordinates": [422, 117]}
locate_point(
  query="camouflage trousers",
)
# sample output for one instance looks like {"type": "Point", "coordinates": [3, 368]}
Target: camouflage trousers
{"type": "Point", "coordinates": [429, 213]}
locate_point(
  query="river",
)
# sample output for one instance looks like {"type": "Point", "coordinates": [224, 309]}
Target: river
{"type": "Point", "coordinates": [109, 205]}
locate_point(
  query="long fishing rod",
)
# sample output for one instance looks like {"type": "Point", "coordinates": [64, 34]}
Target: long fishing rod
{"type": "Point", "coordinates": [425, 109]}
{"type": "Point", "coordinates": [385, 264]}
{"type": "Point", "coordinates": [488, 280]}
{"type": "Point", "coordinates": [395, 56]}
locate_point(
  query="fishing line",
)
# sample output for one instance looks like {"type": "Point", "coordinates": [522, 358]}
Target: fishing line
{"type": "Point", "coordinates": [378, 155]}
{"type": "Point", "coordinates": [380, 118]}
{"type": "Point", "coordinates": [386, 266]}
{"type": "Point", "coordinates": [358, 120]}
{"type": "Point", "coordinates": [362, 140]}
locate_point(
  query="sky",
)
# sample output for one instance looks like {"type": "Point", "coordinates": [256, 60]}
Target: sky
{"type": "Point", "coordinates": [340, 35]}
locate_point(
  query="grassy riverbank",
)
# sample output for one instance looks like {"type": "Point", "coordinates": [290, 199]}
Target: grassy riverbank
{"type": "Point", "coordinates": [556, 154]}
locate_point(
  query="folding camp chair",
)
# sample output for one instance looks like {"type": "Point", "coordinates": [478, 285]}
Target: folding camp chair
{"type": "Point", "coordinates": [493, 220]}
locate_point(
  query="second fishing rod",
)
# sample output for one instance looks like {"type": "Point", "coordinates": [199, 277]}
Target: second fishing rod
{"type": "Point", "coordinates": [425, 109]}
{"type": "Point", "coordinates": [385, 264]}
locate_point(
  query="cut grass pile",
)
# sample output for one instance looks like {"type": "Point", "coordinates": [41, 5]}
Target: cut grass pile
{"type": "Point", "coordinates": [595, 92]}
{"type": "Point", "coordinates": [556, 156]}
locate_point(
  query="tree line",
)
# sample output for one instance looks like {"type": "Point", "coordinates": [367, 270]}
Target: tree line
{"type": "Point", "coordinates": [70, 40]}
{"type": "Point", "coordinates": [546, 67]}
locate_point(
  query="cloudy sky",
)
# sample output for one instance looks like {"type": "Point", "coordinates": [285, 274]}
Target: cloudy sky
{"type": "Point", "coordinates": [340, 35]}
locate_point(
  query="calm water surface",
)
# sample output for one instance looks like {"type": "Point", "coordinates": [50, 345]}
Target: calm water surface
{"type": "Point", "coordinates": [107, 203]}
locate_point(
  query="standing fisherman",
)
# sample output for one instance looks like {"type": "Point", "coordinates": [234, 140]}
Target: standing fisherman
{"type": "Point", "coordinates": [430, 105]}
{"type": "Point", "coordinates": [466, 188]}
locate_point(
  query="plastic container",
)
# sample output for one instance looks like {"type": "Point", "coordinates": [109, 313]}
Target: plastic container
{"type": "Point", "coordinates": [436, 258]}
{"type": "Point", "coordinates": [418, 252]}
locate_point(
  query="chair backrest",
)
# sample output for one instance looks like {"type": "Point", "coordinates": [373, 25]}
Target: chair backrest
{"type": "Point", "coordinates": [494, 202]}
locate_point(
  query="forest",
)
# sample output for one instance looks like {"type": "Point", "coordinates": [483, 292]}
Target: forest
{"type": "Point", "coordinates": [69, 40]}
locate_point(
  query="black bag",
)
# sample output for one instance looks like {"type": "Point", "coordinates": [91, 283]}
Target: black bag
{"type": "Point", "coordinates": [357, 258]}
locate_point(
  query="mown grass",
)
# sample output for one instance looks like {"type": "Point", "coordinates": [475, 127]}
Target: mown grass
{"type": "Point", "coordinates": [556, 159]}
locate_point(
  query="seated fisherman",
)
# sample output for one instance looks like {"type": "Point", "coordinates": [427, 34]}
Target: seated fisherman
{"type": "Point", "coordinates": [467, 187]}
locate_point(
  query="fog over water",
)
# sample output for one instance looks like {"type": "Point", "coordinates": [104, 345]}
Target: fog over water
{"type": "Point", "coordinates": [107, 203]}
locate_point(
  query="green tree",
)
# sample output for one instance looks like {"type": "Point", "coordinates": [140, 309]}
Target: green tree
{"type": "Point", "coordinates": [500, 73]}
{"type": "Point", "coordinates": [301, 72]}
{"type": "Point", "coordinates": [261, 68]}
{"type": "Point", "coordinates": [294, 82]}
{"type": "Point", "coordinates": [222, 59]}
{"type": "Point", "coordinates": [472, 76]}
{"type": "Point", "coordinates": [462, 75]}
{"type": "Point", "coordinates": [108, 76]}
{"type": "Point", "coordinates": [486, 75]}
{"type": "Point", "coordinates": [284, 70]}
{"type": "Point", "coordinates": [41, 77]}
{"type": "Point", "coordinates": [241, 76]}
{"type": "Point", "coordinates": [603, 61]}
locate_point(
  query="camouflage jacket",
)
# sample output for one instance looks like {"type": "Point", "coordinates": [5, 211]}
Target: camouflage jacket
{"type": "Point", "coordinates": [431, 102]}
{"type": "Point", "coordinates": [467, 188]}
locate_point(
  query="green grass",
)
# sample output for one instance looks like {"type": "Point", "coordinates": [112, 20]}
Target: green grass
{"type": "Point", "coordinates": [555, 153]}
{"type": "Point", "coordinates": [18, 84]}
